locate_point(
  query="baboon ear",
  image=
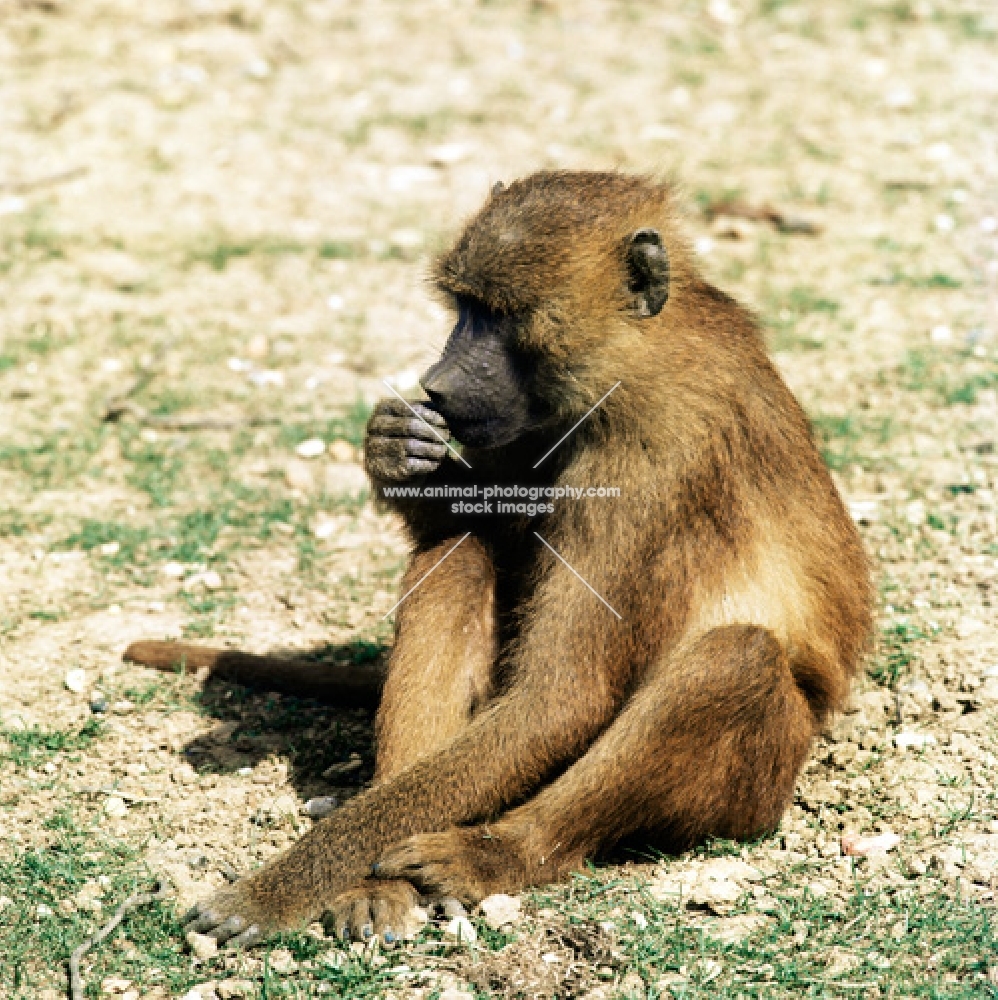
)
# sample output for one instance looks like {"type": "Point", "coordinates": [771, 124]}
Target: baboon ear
{"type": "Point", "coordinates": [497, 187]}
{"type": "Point", "coordinates": [647, 272]}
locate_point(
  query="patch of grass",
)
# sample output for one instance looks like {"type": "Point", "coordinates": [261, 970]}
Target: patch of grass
{"type": "Point", "coordinates": [16, 523]}
{"type": "Point", "coordinates": [350, 427]}
{"type": "Point", "coordinates": [219, 250]}
{"type": "Point", "coordinates": [54, 460]}
{"type": "Point", "coordinates": [30, 239]}
{"type": "Point", "coordinates": [839, 438]}
{"type": "Point", "coordinates": [885, 936]}
{"type": "Point", "coordinates": [935, 280]}
{"type": "Point", "coordinates": [41, 925]}
{"type": "Point", "coordinates": [896, 652]}
{"type": "Point", "coordinates": [35, 746]}
{"type": "Point", "coordinates": [94, 534]}
{"type": "Point", "coordinates": [785, 312]}
{"type": "Point", "coordinates": [952, 381]}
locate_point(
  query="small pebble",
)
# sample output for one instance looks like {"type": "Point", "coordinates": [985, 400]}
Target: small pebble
{"type": "Point", "coordinates": [76, 680]}
{"type": "Point", "coordinates": [115, 984]}
{"type": "Point", "coordinates": [115, 807]}
{"type": "Point", "coordinates": [312, 448]}
{"type": "Point", "coordinates": [908, 740]}
{"type": "Point", "coordinates": [203, 946]}
{"type": "Point", "coordinates": [319, 807]}
{"type": "Point", "coordinates": [203, 991]}
{"type": "Point", "coordinates": [341, 451]}
{"type": "Point", "coordinates": [856, 846]}
{"type": "Point", "coordinates": [266, 378]}
{"type": "Point", "coordinates": [282, 961]}
{"type": "Point", "coordinates": [499, 910]}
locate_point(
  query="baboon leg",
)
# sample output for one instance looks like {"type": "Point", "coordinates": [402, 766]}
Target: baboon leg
{"type": "Point", "coordinates": [441, 667]}
{"type": "Point", "coordinates": [710, 745]}
{"type": "Point", "coordinates": [440, 671]}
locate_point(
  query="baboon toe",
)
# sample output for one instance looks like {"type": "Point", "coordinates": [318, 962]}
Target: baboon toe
{"type": "Point", "coordinates": [233, 917]}
{"type": "Point", "coordinates": [387, 909]}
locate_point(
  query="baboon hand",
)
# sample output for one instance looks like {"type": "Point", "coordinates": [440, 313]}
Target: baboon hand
{"type": "Point", "coordinates": [404, 443]}
{"type": "Point", "coordinates": [464, 863]}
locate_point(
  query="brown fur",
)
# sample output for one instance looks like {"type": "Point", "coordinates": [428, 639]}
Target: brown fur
{"type": "Point", "coordinates": [524, 727]}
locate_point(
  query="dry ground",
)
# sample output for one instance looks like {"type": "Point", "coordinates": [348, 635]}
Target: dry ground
{"type": "Point", "coordinates": [224, 208]}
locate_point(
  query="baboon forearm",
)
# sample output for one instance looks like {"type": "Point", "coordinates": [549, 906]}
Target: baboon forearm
{"type": "Point", "coordinates": [495, 762]}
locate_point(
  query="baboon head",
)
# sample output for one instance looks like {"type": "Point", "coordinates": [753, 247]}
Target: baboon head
{"type": "Point", "coordinates": [550, 263]}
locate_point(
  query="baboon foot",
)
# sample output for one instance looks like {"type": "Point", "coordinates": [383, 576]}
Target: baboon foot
{"type": "Point", "coordinates": [386, 908]}
{"type": "Point", "coordinates": [234, 916]}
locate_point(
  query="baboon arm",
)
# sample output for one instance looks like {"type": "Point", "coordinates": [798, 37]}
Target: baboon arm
{"type": "Point", "coordinates": [330, 682]}
{"type": "Point", "coordinates": [550, 717]}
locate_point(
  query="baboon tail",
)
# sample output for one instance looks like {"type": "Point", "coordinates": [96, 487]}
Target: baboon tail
{"type": "Point", "coordinates": [335, 683]}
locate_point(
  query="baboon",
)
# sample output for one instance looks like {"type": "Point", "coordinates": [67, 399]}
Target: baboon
{"type": "Point", "coordinates": [651, 667]}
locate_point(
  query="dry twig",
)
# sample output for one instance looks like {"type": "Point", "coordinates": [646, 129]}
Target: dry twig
{"type": "Point", "coordinates": [133, 902]}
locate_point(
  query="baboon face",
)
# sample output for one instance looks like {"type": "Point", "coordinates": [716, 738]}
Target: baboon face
{"type": "Point", "coordinates": [508, 269]}
{"type": "Point", "coordinates": [481, 384]}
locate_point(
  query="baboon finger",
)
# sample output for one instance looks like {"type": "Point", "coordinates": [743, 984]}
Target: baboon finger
{"type": "Point", "coordinates": [361, 919]}
{"type": "Point", "coordinates": [392, 406]}
{"type": "Point", "coordinates": [386, 916]}
{"type": "Point", "coordinates": [406, 426]}
{"type": "Point", "coordinates": [400, 447]}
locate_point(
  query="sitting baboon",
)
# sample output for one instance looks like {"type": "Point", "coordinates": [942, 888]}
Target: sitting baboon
{"type": "Point", "coordinates": [650, 666]}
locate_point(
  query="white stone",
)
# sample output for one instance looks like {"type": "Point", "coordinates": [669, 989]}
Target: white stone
{"type": "Point", "coordinates": [115, 807]}
{"type": "Point", "coordinates": [76, 680]}
{"type": "Point", "coordinates": [449, 153]}
{"type": "Point", "coordinates": [312, 448]}
{"type": "Point", "coordinates": [857, 846]}
{"type": "Point", "coordinates": [500, 909]}
{"type": "Point", "coordinates": [907, 740]}
{"type": "Point", "coordinates": [203, 946]}
{"type": "Point", "coordinates": [319, 807]}
{"type": "Point", "coordinates": [864, 511]}
{"type": "Point", "coordinates": [342, 451]}
{"type": "Point", "coordinates": [267, 378]}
